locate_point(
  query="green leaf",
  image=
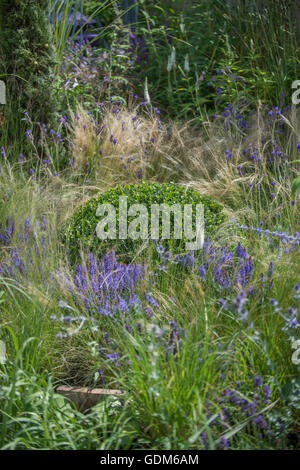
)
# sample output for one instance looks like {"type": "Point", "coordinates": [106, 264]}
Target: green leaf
{"type": "Point", "coordinates": [2, 352]}
{"type": "Point", "coordinates": [296, 185]}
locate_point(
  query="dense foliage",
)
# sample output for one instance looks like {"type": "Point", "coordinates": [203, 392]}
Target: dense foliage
{"type": "Point", "coordinates": [81, 230]}
{"type": "Point", "coordinates": [27, 56]}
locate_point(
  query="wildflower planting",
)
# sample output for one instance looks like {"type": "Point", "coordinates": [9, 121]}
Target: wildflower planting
{"type": "Point", "coordinates": [202, 339]}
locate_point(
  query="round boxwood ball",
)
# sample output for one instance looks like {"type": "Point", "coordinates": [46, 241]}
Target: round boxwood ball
{"type": "Point", "coordinates": [80, 230]}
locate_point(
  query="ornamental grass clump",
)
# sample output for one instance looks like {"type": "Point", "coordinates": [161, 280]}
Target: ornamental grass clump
{"type": "Point", "coordinates": [114, 139]}
{"type": "Point", "coordinates": [80, 231]}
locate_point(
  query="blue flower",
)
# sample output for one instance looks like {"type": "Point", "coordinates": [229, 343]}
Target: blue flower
{"type": "Point", "coordinates": [224, 443]}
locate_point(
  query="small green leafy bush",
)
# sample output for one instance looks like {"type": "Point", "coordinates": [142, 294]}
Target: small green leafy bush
{"type": "Point", "coordinates": [80, 230]}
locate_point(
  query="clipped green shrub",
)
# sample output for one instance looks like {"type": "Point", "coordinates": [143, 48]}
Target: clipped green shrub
{"type": "Point", "coordinates": [80, 230]}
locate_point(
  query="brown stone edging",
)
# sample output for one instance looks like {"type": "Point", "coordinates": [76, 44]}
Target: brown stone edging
{"type": "Point", "coordinates": [86, 398]}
